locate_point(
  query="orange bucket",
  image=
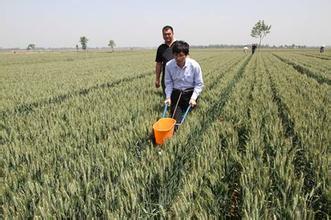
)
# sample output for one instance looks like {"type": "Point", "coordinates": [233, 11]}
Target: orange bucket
{"type": "Point", "coordinates": [163, 129]}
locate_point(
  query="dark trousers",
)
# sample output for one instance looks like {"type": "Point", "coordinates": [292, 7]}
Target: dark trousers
{"type": "Point", "coordinates": [183, 103]}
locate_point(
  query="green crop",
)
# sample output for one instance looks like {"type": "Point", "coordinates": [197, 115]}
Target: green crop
{"type": "Point", "coordinates": [75, 136]}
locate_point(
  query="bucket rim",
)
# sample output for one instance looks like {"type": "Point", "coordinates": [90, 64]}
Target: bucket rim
{"type": "Point", "coordinates": [173, 124]}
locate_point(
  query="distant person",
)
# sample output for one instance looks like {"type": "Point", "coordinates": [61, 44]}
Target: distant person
{"type": "Point", "coordinates": [163, 55]}
{"type": "Point", "coordinates": [183, 80]}
{"type": "Point", "coordinates": [254, 46]}
{"type": "Point", "coordinates": [322, 48]}
{"type": "Point", "coordinates": [245, 50]}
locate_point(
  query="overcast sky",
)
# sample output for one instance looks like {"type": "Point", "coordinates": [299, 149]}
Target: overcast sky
{"type": "Point", "coordinates": [60, 23]}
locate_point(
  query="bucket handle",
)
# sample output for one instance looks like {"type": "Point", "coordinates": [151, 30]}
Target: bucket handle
{"type": "Point", "coordinates": [186, 112]}
{"type": "Point", "coordinates": [164, 111]}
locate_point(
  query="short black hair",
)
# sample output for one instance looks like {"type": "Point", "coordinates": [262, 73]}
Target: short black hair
{"type": "Point", "coordinates": [167, 27]}
{"type": "Point", "coordinates": [181, 46]}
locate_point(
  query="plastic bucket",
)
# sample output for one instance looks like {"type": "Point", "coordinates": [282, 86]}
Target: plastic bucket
{"type": "Point", "coordinates": [163, 129]}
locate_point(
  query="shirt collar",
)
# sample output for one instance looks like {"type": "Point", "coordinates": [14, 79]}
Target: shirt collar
{"type": "Point", "coordinates": [171, 43]}
{"type": "Point", "coordinates": [185, 65]}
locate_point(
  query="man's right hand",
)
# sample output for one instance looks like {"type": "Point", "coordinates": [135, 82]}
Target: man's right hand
{"type": "Point", "coordinates": [157, 83]}
{"type": "Point", "coordinates": [167, 102]}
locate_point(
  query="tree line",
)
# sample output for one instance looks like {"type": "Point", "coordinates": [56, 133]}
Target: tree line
{"type": "Point", "coordinates": [83, 41]}
{"type": "Point", "coordinates": [260, 30]}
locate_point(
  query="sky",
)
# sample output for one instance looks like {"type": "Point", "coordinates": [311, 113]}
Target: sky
{"type": "Point", "coordinates": [60, 23]}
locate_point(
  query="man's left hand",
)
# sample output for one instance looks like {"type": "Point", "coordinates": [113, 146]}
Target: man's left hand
{"type": "Point", "coordinates": [157, 83]}
{"type": "Point", "coordinates": [192, 102]}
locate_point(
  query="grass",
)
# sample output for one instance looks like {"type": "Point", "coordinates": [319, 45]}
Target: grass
{"type": "Point", "coordinates": [75, 128]}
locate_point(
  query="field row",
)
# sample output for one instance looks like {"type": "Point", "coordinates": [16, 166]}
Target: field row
{"type": "Point", "coordinates": [315, 68]}
{"type": "Point", "coordinates": [255, 147]}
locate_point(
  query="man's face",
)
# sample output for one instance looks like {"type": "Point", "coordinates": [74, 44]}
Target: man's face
{"type": "Point", "coordinates": [180, 58]}
{"type": "Point", "coordinates": [168, 35]}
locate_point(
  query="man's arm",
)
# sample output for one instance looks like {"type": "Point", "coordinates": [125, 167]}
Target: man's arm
{"type": "Point", "coordinates": [169, 84]}
{"type": "Point", "coordinates": [198, 83]}
{"type": "Point", "coordinates": [158, 67]}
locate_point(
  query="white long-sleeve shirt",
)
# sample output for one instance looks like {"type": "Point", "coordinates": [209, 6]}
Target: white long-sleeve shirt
{"type": "Point", "coordinates": [190, 76]}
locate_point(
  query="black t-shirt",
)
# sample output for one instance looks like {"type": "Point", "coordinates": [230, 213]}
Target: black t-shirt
{"type": "Point", "coordinates": [163, 55]}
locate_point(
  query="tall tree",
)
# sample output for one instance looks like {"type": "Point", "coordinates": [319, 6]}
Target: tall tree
{"type": "Point", "coordinates": [83, 42]}
{"type": "Point", "coordinates": [260, 30]}
{"type": "Point", "coordinates": [112, 45]}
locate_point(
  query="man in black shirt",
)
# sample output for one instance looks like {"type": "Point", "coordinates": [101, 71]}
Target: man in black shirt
{"type": "Point", "coordinates": [322, 49]}
{"type": "Point", "coordinates": [163, 55]}
{"type": "Point", "coordinates": [254, 46]}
